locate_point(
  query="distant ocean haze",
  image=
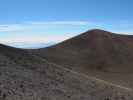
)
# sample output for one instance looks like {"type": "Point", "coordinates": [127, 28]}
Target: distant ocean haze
{"type": "Point", "coordinates": [30, 45]}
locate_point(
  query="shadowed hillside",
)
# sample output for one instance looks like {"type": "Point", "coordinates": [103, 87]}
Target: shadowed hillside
{"type": "Point", "coordinates": [25, 76]}
{"type": "Point", "coordinates": [99, 53]}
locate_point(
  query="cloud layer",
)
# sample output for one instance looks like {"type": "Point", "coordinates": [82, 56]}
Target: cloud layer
{"type": "Point", "coordinates": [54, 31]}
{"type": "Point", "coordinates": [31, 25]}
{"type": "Point", "coordinates": [39, 32]}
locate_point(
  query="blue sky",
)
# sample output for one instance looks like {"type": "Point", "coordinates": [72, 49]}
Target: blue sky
{"type": "Point", "coordinates": [48, 21]}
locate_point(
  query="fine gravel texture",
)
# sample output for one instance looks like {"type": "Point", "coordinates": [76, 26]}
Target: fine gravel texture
{"type": "Point", "coordinates": [52, 82]}
{"type": "Point", "coordinates": [25, 75]}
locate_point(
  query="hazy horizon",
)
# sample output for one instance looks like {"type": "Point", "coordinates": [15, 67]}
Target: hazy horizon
{"type": "Point", "coordinates": [48, 21]}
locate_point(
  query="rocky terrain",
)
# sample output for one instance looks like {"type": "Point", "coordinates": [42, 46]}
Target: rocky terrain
{"type": "Point", "coordinates": [46, 74]}
{"type": "Point", "coordinates": [102, 54]}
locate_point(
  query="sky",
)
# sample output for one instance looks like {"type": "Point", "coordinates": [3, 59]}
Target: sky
{"type": "Point", "coordinates": [51, 21]}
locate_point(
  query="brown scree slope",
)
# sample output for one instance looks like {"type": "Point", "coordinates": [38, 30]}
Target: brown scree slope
{"type": "Point", "coordinates": [105, 55]}
{"type": "Point", "coordinates": [25, 76]}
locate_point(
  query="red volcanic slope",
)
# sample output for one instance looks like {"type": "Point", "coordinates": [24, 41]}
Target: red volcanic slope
{"type": "Point", "coordinates": [96, 52]}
